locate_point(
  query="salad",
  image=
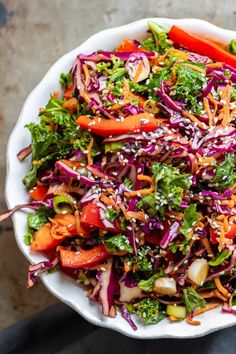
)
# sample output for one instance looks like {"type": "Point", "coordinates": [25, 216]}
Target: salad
{"type": "Point", "coordinates": [133, 178]}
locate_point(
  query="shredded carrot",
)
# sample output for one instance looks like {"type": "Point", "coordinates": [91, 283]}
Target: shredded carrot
{"type": "Point", "coordinates": [89, 292]}
{"type": "Point", "coordinates": [193, 322]}
{"type": "Point", "coordinates": [55, 94]}
{"type": "Point", "coordinates": [138, 72]}
{"type": "Point", "coordinates": [144, 191]}
{"type": "Point", "coordinates": [145, 178]}
{"type": "Point", "coordinates": [215, 65]}
{"type": "Point", "coordinates": [226, 223]}
{"type": "Point", "coordinates": [172, 80]}
{"type": "Point", "coordinates": [233, 114]}
{"type": "Point", "coordinates": [175, 215]}
{"type": "Point", "coordinates": [208, 110]}
{"type": "Point", "coordinates": [127, 267]}
{"type": "Point", "coordinates": [117, 106]}
{"type": "Point", "coordinates": [87, 75]}
{"type": "Point", "coordinates": [207, 308]}
{"type": "Point", "coordinates": [194, 119]}
{"type": "Point", "coordinates": [90, 145]}
{"type": "Point", "coordinates": [222, 238]}
{"type": "Point", "coordinates": [225, 93]}
{"type": "Point", "coordinates": [129, 96]}
{"type": "Point", "coordinates": [214, 102]}
{"type": "Point", "coordinates": [206, 243]}
{"type": "Point", "coordinates": [173, 318]}
{"type": "Point", "coordinates": [220, 287]}
{"type": "Point", "coordinates": [86, 98]}
{"type": "Point", "coordinates": [71, 105]}
{"type": "Point", "coordinates": [213, 293]}
{"type": "Point", "coordinates": [138, 215]}
{"type": "Point", "coordinates": [195, 67]}
{"type": "Point", "coordinates": [204, 161]}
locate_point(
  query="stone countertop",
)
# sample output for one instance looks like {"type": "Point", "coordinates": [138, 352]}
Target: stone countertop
{"type": "Point", "coordinates": [33, 35]}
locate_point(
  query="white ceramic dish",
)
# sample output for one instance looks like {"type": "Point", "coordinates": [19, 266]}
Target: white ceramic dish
{"type": "Point", "coordinates": [59, 284]}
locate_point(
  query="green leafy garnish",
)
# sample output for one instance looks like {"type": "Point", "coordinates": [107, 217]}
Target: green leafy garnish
{"type": "Point", "coordinates": [115, 69]}
{"type": "Point", "coordinates": [65, 80]}
{"type": "Point", "coordinates": [143, 263]}
{"type": "Point", "coordinates": [192, 300]}
{"type": "Point", "coordinates": [148, 311]}
{"type": "Point", "coordinates": [118, 243]}
{"type": "Point", "coordinates": [128, 183]}
{"type": "Point", "coordinates": [112, 214]}
{"type": "Point", "coordinates": [147, 285]}
{"type": "Point", "coordinates": [190, 218]}
{"type": "Point", "coordinates": [189, 84]}
{"type": "Point", "coordinates": [221, 257]}
{"type": "Point", "coordinates": [47, 146]}
{"type": "Point", "coordinates": [159, 41]}
{"type": "Point", "coordinates": [169, 187]}
{"type": "Point", "coordinates": [155, 81]}
{"type": "Point", "coordinates": [225, 176]}
{"type": "Point", "coordinates": [35, 221]}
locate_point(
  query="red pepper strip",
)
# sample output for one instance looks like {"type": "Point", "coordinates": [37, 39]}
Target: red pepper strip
{"type": "Point", "coordinates": [83, 258]}
{"type": "Point", "coordinates": [68, 92]}
{"type": "Point", "coordinates": [38, 193]}
{"type": "Point", "coordinates": [129, 46]}
{"type": "Point", "coordinates": [201, 46]}
{"type": "Point", "coordinates": [131, 124]}
{"type": "Point", "coordinates": [90, 217]}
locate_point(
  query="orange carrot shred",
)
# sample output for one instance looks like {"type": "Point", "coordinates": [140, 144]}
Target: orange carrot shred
{"type": "Point", "coordinates": [87, 75]}
{"type": "Point", "coordinates": [90, 145]}
{"type": "Point", "coordinates": [220, 287]}
{"type": "Point", "coordinates": [138, 72]}
{"type": "Point", "coordinates": [208, 110]}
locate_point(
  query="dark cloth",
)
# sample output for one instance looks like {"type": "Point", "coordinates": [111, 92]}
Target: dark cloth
{"type": "Point", "coordinates": [61, 330]}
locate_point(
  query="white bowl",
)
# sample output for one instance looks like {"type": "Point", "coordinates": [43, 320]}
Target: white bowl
{"type": "Point", "coordinates": [59, 284]}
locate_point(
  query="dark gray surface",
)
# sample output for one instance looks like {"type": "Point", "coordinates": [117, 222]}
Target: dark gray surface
{"type": "Point", "coordinates": [61, 330]}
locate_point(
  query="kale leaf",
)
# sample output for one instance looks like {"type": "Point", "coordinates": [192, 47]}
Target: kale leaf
{"type": "Point", "coordinates": [190, 218]}
{"type": "Point", "coordinates": [169, 187]}
{"type": "Point", "coordinates": [65, 80]}
{"type": "Point", "coordinates": [225, 176]}
{"type": "Point", "coordinates": [35, 221]}
{"type": "Point", "coordinates": [118, 243]}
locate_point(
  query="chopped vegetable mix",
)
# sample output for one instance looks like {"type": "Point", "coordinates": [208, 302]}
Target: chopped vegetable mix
{"type": "Point", "coordinates": [133, 177]}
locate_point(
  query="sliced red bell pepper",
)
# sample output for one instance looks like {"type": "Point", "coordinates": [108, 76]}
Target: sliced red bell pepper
{"type": "Point", "coordinates": [39, 192]}
{"type": "Point", "coordinates": [131, 124]}
{"type": "Point", "coordinates": [129, 46]}
{"type": "Point", "coordinates": [68, 92]}
{"type": "Point", "coordinates": [83, 258]}
{"type": "Point", "coordinates": [90, 217]}
{"type": "Point", "coordinates": [201, 45]}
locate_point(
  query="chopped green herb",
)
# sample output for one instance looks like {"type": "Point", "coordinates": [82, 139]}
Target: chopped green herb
{"type": "Point", "coordinates": [148, 311]}
{"type": "Point", "coordinates": [118, 243]}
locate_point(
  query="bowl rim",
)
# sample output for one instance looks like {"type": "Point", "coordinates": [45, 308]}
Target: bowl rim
{"type": "Point", "coordinates": [50, 288]}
